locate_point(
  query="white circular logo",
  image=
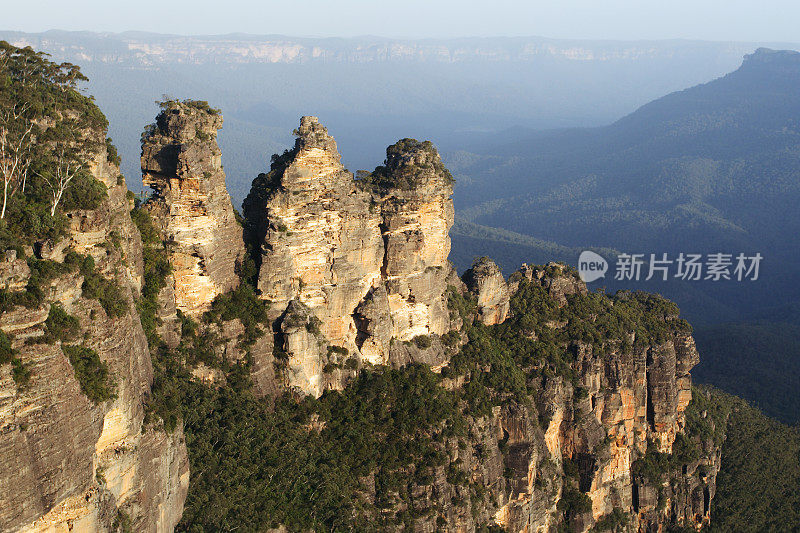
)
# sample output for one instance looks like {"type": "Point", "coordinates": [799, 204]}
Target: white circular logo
{"type": "Point", "coordinates": [591, 266]}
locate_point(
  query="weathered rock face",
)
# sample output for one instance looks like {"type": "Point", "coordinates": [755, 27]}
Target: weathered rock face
{"type": "Point", "coordinates": [417, 210]}
{"type": "Point", "coordinates": [529, 465]}
{"type": "Point", "coordinates": [65, 462]}
{"type": "Point", "coordinates": [368, 261]}
{"type": "Point", "coordinates": [318, 233]}
{"type": "Point", "coordinates": [486, 281]}
{"type": "Point", "coordinates": [623, 404]}
{"type": "Point", "coordinates": [182, 162]}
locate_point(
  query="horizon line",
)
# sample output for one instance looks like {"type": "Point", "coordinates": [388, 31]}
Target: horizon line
{"type": "Point", "coordinates": [101, 33]}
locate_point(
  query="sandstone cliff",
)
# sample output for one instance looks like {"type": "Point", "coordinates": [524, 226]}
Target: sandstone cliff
{"type": "Point", "coordinates": [368, 258]}
{"type": "Point", "coordinates": [414, 190]}
{"type": "Point", "coordinates": [67, 462]}
{"type": "Point", "coordinates": [182, 163]}
{"type": "Point", "coordinates": [355, 271]}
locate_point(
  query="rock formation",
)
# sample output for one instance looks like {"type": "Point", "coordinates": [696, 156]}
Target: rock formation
{"type": "Point", "coordinates": [529, 404]}
{"type": "Point", "coordinates": [318, 233]}
{"type": "Point", "coordinates": [182, 163]}
{"type": "Point", "coordinates": [356, 272]}
{"type": "Point", "coordinates": [367, 257]}
{"type": "Point", "coordinates": [67, 463]}
{"type": "Point", "coordinates": [414, 191]}
{"type": "Point", "coordinates": [485, 280]}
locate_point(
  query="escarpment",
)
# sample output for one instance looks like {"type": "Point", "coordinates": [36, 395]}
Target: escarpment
{"type": "Point", "coordinates": [573, 403]}
{"type": "Point", "coordinates": [74, 451]}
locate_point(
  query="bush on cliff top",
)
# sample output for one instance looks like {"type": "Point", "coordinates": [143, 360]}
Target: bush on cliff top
{"type": "Point", "coordinates": [200, 105]}
{"type": "Point", "coordinates": [396, 173]}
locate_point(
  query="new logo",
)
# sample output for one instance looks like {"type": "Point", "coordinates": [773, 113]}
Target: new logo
{"type": "Point", "coordinates": [591, 266]}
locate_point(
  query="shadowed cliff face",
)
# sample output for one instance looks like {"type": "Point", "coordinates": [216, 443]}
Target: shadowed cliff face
{"type": "Point", "coordinates": [182, 162]}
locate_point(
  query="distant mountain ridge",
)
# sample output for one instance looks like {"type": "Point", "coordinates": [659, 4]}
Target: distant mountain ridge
{"type": "Point", "coordinates": [373, 90]}
{"type": "Point", "coordinates": [685, 161]}
{"type": "Point", "coordinates": [713, 168]}
{"type": "Point", "coordinates": [153, 49]}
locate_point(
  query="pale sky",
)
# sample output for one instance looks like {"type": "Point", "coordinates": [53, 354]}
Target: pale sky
{"type": "Point", "coordinates": [720, 20]}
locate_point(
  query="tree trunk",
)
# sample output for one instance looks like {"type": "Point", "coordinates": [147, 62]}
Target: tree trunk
{"type": "Point", "coordinates": [5, 199]}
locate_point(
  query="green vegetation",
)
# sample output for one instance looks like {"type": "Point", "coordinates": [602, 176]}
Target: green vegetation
{"type": "Point", "coordinates": [19, 372]}
{"type": "Point", "coordinates": [122, 522]}
{"type": "Point", "coordinates": [612, 521]}
{"type": "Point", "coordinates": [200, 105]}
{"type": "Point", "coordinates": [374, 426]}
{"type": "Point", "coordinates": [60, 326]}
{"type": "Point", "coordinates": [44, 272]}
{"type": "Point", "coordinates": [758, 361]}
{"type": "Point", "coordinates": [156, 270]}
{"type": "Point", "coordinates": [463, 305]}
{"type": "Point", "coordinates": [573, 502]}
{"type": "Point", "coordinates": [706, 419]}
{"type": "Point", "coordinates": [451, 338]}
{"type": "Point", "coordinates": [107, 292]}
{"type": "Point", "coordinates": [112, 156]}
{"type": "Point", "coordinates": [757, 485]}
{"type": "Point", "coordinates": [92, 374]}
{"type": "Point", "coordinates": [6, 352]}
{"type": "Point", "coordinates": [244, 304]}
{"type": "Point", "coordinates": [510, 360]}
{"type": "Point", "coordinates": [50, 130]}
{"type": "Point", "coordinates": [422, 342]}
{"type": "Point", "coordinates": [400, 172]}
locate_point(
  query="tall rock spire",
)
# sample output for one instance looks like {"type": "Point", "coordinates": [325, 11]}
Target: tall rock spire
{"type": "Point", "coordinates": [319, 240]}
{"type": "Point", "coordinates": [415, 192]}
{"type": "Point", "coordinates": [182, 163]}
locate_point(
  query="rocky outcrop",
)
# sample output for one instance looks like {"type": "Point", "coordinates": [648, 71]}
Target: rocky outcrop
{"type": "Point", "coordinates": [366, 257]}
{"type": "Point", "coordinates": [182, 163]}
{"type": "Point", "coordinates": [14, 272]}
{"type": "Point", "coordinates": [486, 282]}
{"type": "Point", "coordinates": [417, 210]}
{"type": "Point", "coordinates": [318, 235]}
{"type": "Point", "coordinates": [67, 463]}
{"type": "Point", "coordinates": [623, 403]}
{"type": "Point", "coordinates": [356, 272]}
{"type": "Point", "coordinates": [552, 278]}
{"type": "Point", "coordinates": [598, 443]}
